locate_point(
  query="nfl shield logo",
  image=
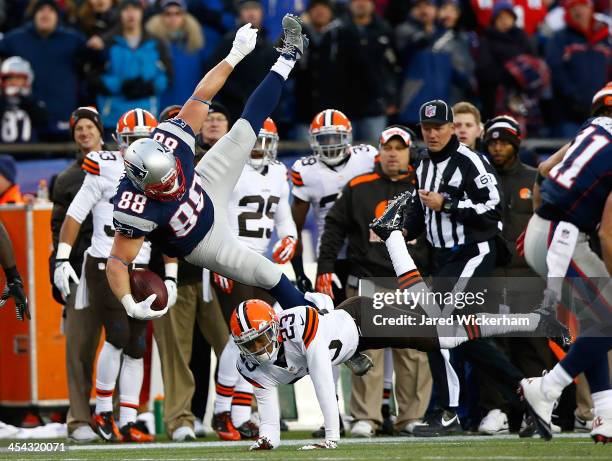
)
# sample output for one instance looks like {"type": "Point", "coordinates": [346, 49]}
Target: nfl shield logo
{"type": "Point", "coordinates": [430, 111]}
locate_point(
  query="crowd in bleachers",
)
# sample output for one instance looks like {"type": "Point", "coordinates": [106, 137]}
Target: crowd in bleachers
{"type": "Point", "coordinates": [376, 60]}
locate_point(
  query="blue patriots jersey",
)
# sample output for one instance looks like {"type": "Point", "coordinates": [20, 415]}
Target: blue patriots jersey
{"type": "Point", "coordinates": [577, 188]}
{"type": "Point", "coordinates": [176, 226]}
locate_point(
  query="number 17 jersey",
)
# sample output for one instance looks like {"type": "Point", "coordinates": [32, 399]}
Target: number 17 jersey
{"type": "Point", "coordinates": [177, 226]}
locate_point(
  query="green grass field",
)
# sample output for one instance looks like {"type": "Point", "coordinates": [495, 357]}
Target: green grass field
{"type": "Point", "coordinates": [501, 448]}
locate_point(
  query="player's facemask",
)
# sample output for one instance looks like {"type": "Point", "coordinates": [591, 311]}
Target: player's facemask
{"type": "Point", "coordinates": [264, 151]}
{"type": "Point", "coordinates": [331, 146]}
{"type": "Point", "coordinates": [255, 330]}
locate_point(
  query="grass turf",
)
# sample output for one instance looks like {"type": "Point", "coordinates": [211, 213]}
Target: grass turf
{"type": "Point", "coordinates": [508, 448]}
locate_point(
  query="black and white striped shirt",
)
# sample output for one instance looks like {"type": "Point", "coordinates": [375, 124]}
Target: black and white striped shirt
{"type": "Point", "coordinates": [468, 181]}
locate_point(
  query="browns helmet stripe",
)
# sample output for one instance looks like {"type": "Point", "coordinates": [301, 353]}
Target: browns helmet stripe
{"type": "Point", "coordinates": [140, 119]}
{"type": "Point", "coordinates": [242, 317]}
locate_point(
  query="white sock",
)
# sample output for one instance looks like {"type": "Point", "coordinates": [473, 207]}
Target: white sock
{"type": "Point", "coordinates": [283, 67]}
{"type": "Point", "coordinates": [555, 381]}
{"type": "Point", "coordinates": [400, 258]}
{"type": "Point", "coordinates": [227, 377]}
{"type": "Point", "coordinates": [241, 402]}
{"type": "Point", "coordinates": [130, 383]}
{"type": "Point", "coordinates": [602, 403]}
{"type": "Point", "coordinates": [388, 376]}
{"type": "Point", "coordinates": [107, 370]}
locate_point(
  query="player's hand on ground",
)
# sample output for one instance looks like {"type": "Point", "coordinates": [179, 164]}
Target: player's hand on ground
{"type": "Point", "coordinates": [262, 443]}
{"type": "Point", "coordinates": [172, 290]}
{"type": "Point", "coordinates": [226, 285]}
{"type": "Point", "coordinates": [62, 276]}
{"type": "Point", "coordinates": [303, 283]}
{"type": "Point", "coordinates": [244, 41]}
{"type": "Point", "coordinates": [284, 250]}
{"type": "Point", "coordinates": [324, 283]}
{"type": "Point", "coordinates": [320, 301]}
{"type": "Point", "coordinates": [324, 444]}
{"type": "Point", "coordinates": [15, 289]}
{"type": "Point", "coordinates": [142, 310]}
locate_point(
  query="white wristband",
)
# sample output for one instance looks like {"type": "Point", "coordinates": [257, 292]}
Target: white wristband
{"type": "Point", "coordinates": [171, 270]}
{"type": "Point", "coordinates": [234, 57]}
{"type": "Point", "coordinates": [63, 251]}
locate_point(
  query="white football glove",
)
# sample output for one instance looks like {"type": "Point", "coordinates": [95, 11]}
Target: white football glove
{"type": "Point", "coordinates": [321, 301]}
{"type": "Point", "coordinates": [62, 276]}
{"type": "Point", "coordinates": [262, 443]}
{"type": "Point", "coordinates": [324, 444]}
{"type": "Point", "coordinates": [172, 290]}
{"type": "Point", "coordinates": [243, 44]}
{"type": "Point", "coordinates": [284, 249]}
{"type": "Point", "coordinates": [141, 310]}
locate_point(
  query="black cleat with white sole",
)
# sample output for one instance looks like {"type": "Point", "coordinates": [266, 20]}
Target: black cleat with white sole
{"type": "Point", "coordinates": [439, 423]}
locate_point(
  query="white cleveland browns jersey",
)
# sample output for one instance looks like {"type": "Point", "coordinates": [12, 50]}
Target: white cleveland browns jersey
{"type": "Point", "coordinates": [319, 184]}
{"type": "Point", "coordinates": [312, 343]}
{"type": "Point", "coordinates": [103, 170]}
{"type": "Point", "coordinates": [260, 202]}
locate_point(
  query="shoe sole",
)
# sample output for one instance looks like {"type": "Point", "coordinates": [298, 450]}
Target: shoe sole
{"type": "Point", "coordinates": [502, 431]}
{"type": "Point", "coordinates": [542, 427]}
{"type": "Point", "coordinates": [438, 433]}
{"type": "Point", "coordinates": [228, 437]}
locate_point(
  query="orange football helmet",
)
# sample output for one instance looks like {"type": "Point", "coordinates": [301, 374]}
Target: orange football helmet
{"type": "Point", "coordinates": [133, 125]}
{"type": "Point", "coordinates": [266, 145]}
{"type": "Point", "coordinates": [254, 327]}
{"type": "Point", "coordinates": [331, 134]}
{"type": "Point", "coordinates": [602, 99]}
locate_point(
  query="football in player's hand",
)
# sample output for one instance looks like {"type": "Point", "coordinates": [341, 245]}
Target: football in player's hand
{"type": "Point", "coordinates": [144, 283]}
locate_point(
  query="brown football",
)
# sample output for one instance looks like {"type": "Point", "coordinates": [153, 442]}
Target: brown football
{"type": "Point", "coordinates": [144, 283]}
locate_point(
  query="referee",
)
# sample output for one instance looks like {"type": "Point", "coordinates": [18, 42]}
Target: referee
{"type": "Point", "coordinates": [462, 217]}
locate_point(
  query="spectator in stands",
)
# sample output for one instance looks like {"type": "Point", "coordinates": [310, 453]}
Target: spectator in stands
{"type": "Point", "coordinates": [217, 16]}
{"type": "Point", "coordinates": [530, 13]}
{"type": "Point", "coordinates": [501, 42]}
{"type": "Point", "coordinates": [580, 60]}
{"type": "Point", "coordinates": [367, 66]}
{"type": "Point", "coordinates": [9, 189]}
{"type": "Point", "coordinates": [97, 17]}
{"type": "Point", "coordinates": [425, 53]}
{"type": "Point", "coordinates": [82, 329]}
{"type": "Point", "coordinates": [456, 42]}
{"type": "Point", "coordinates": [183, 33]}
{"type": "Point", "coordinates": [502, 140]}
{"type": "Point", "coordinates": [253, 68]}
{"type": "Point", "coordinates": [468, 125]}
{"type": "Point", "coordinates": [359, 203]}
{"type": "Point", "coordinates": [316, 80]}
{"type": "Point", "coordinates": [137, 69]}
{"type": "Point", "coordinates": [55, 54]}
{"type": "Point", "coordinates": [21, 115]}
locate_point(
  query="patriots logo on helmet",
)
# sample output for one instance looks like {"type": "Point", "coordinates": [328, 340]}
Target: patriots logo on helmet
{"type": "Point", "coordinates": [430, 111]}
{"type": "Point", "coordinates": [135, 171]}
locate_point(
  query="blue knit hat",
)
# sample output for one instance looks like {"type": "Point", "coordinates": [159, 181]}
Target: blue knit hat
{"type": "Point", "coordinates": [8, 168]}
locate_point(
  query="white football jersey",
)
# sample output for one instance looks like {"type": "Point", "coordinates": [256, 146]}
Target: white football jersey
{"type": "Point", "coordinates": [103, 171]}
{"type": "Point", "coordinates": [319, 184]}
{"type": "Point", "coordinates": [259, 203]}
{"type": "Point", "coordinates": [312, 343]}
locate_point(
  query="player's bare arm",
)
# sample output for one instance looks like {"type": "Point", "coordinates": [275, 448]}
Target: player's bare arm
{"type": "Point", "coordinates": [195, 110]}
{"type": "Point", "coordinates": [605, 234]}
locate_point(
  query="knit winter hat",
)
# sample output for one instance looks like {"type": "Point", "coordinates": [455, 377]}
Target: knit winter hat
{"type": "Point", "coordinates": [8, 168]}
{"type": "Point", "coordinates": [87, 112]}
{"type": "Point", "coordinates": [40, 3]}
{"type": "Point", "coordinates": [505, 128]}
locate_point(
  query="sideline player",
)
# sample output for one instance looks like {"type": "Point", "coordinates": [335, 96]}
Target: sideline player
{"type": "Point", "coordinates": [259, 204]}
{"type": "Point", "coordinates": [317, 181]}
{"type": "Point", "coordinates": [184, 209]}
{"type": "Point", "coordinates": [123, 349]}
{"type": "Point", "coordinates": [576, 201]}
{"type": "Point", "coordinates": [14, 284]}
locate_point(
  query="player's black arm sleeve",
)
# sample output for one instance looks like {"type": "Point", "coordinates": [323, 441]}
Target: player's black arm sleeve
{"type": "Point", "coordinates": [7, 257]}
{"type": "Point", "coordinates": [337, 223]}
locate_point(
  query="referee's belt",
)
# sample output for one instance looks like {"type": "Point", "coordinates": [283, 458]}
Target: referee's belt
{"type": "Point", "coordinates": [101, 263]}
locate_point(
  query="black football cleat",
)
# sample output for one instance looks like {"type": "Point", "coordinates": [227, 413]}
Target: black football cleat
{"type": "Point", "coordinates": [320, 432]}
{"type": "Point", "coordinates": [439, 423]}
{"type": "Point", "coordinates": [248, 430]}
{"type": "Point", "coordinates": [107, 428]}
{"type": "Point", "coordinates": [392, 218]}
{"type": "Point", "coordinates": [294, 42]}
{"type": "Point", "coordinates": [549, 326]}
{"type": "Point", "coordinates": [359, 364]}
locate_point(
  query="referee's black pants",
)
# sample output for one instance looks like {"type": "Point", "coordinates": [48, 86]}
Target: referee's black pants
{"type": "Point", "coordinates": [463, 269]}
